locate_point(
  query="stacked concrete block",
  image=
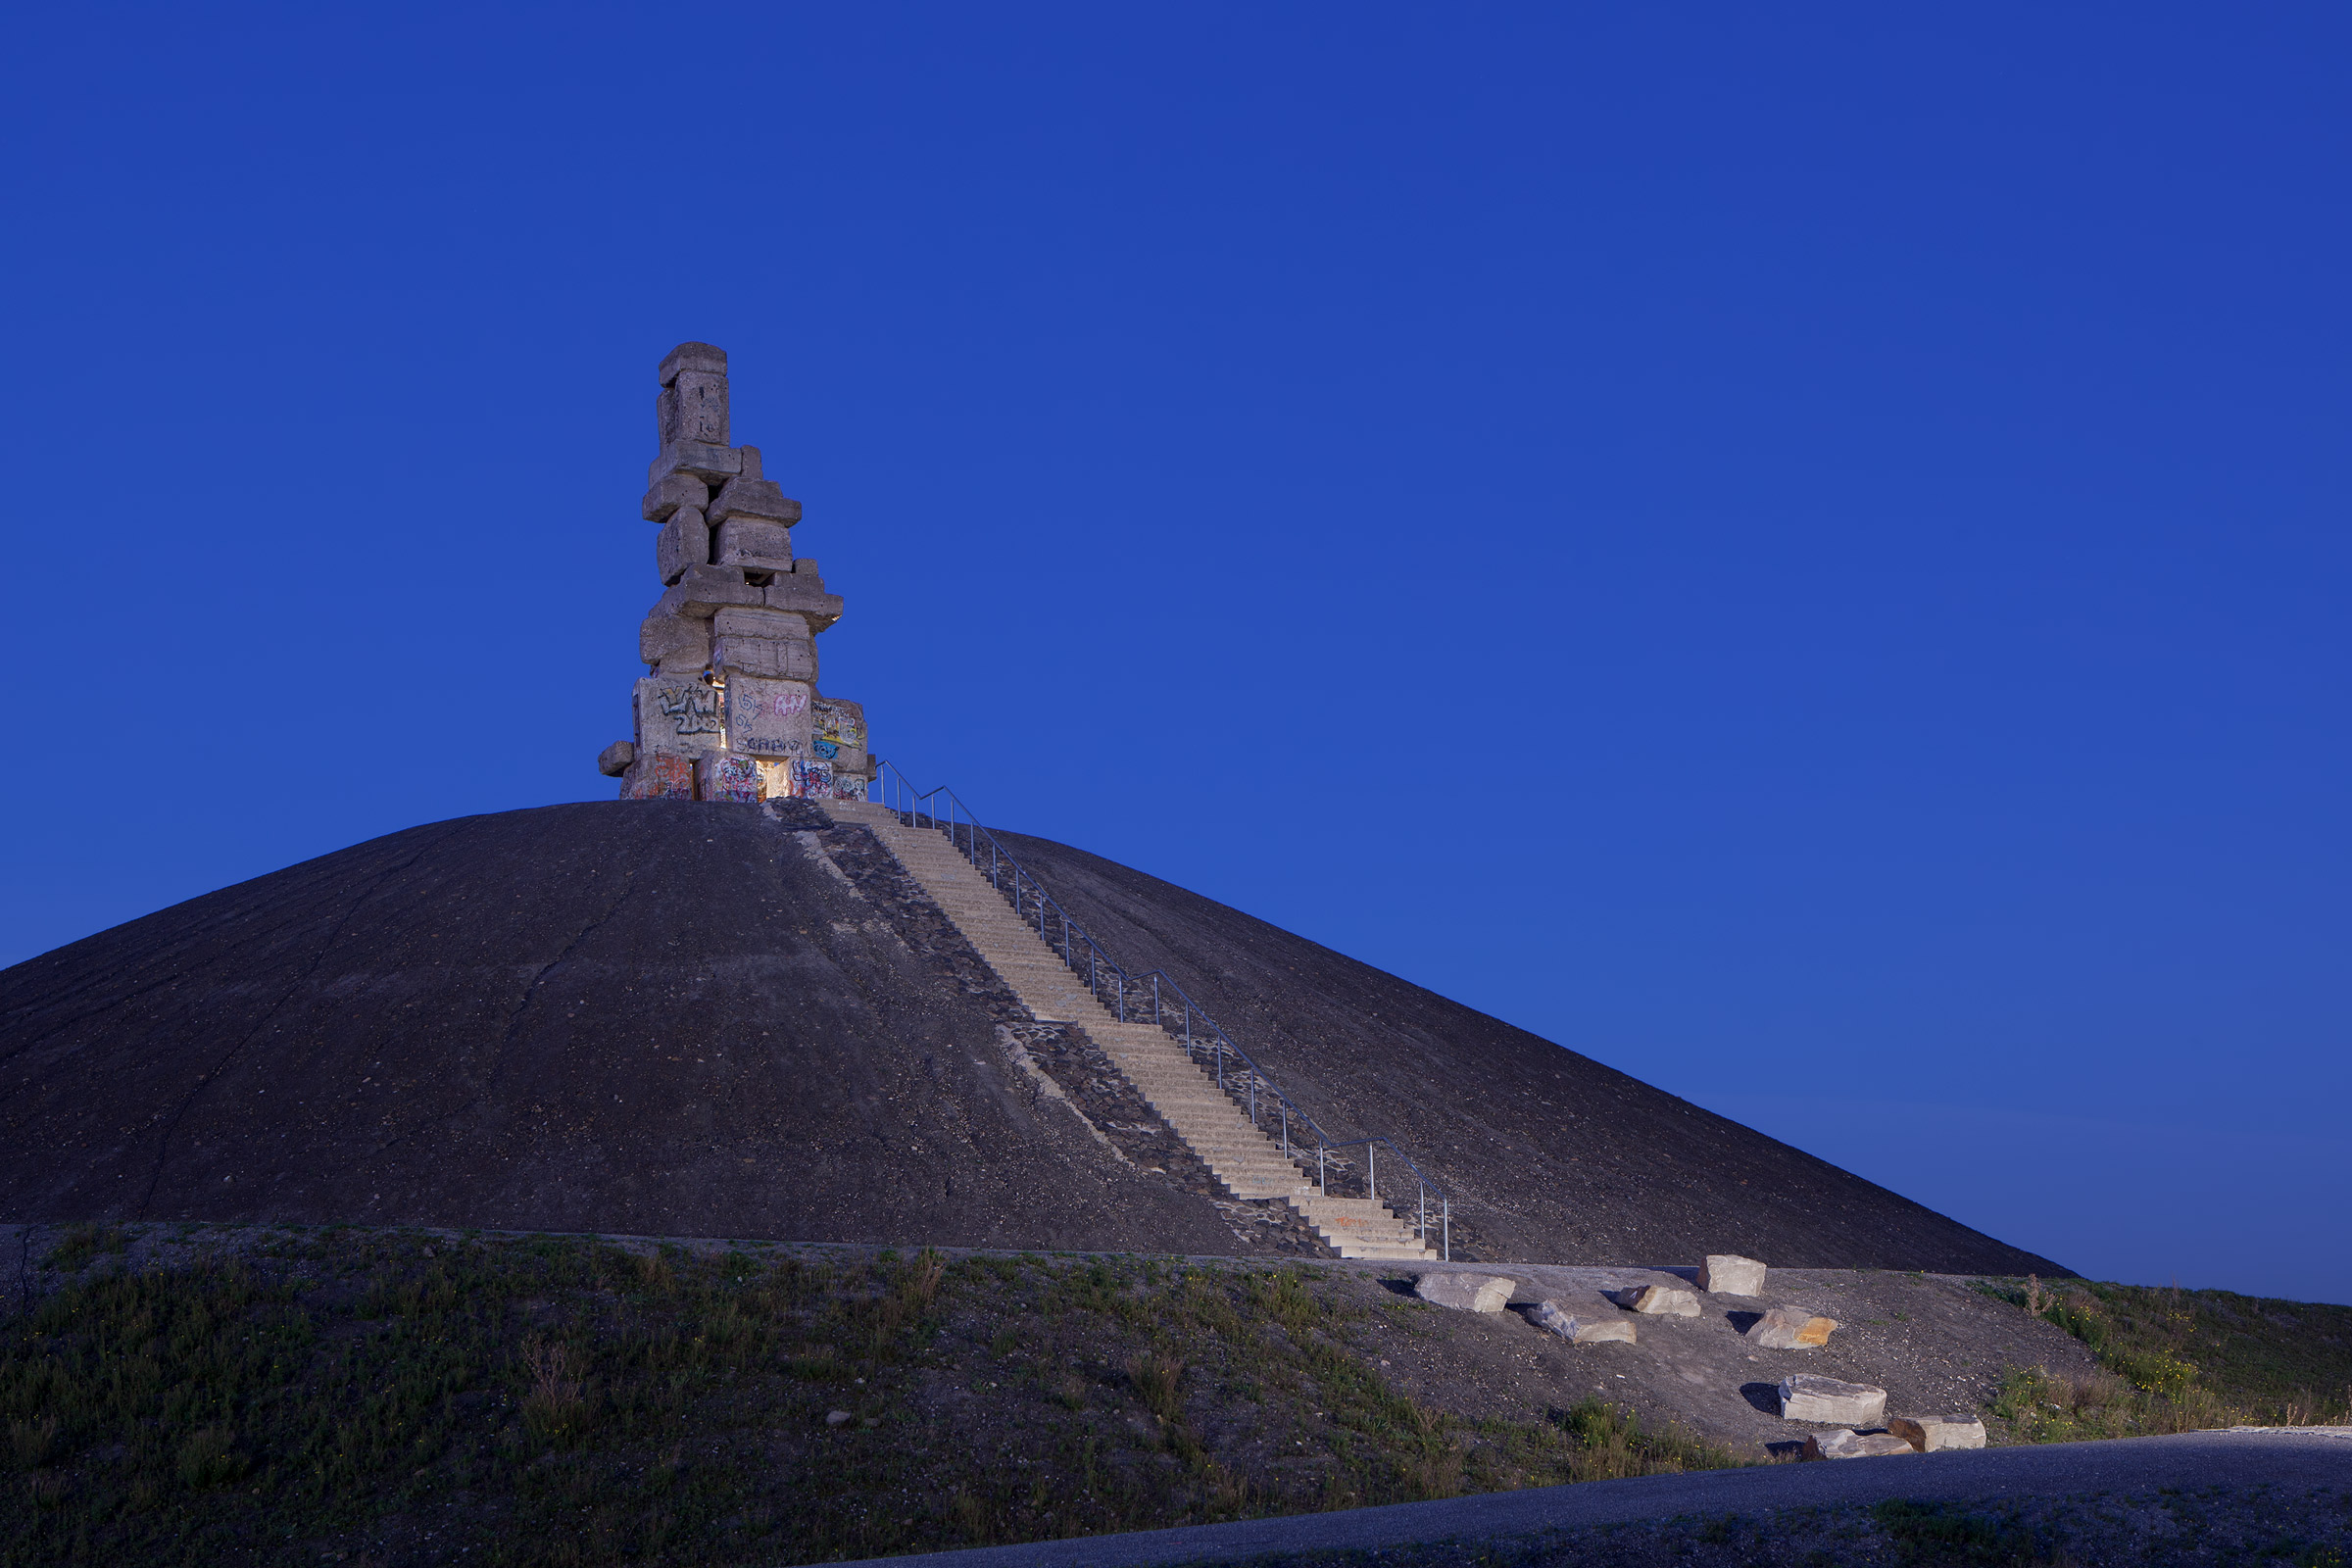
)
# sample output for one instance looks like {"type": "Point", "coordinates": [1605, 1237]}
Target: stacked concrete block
{"type": "Point", "coordinates": [731, 710]}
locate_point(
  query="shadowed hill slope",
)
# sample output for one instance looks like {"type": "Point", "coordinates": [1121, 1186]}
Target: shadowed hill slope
{"type": "Point", "coordinates": [675, 1018]}
{"type": "Point", "coordinates": [659, 1017]}
{"type": "Point", "coordinates": [1550, 1154]}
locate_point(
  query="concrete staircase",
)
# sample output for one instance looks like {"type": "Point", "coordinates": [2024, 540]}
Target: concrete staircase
{"type": "Point", "coordinates": [1250, 1165]}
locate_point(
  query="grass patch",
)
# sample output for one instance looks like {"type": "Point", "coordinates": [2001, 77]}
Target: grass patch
{"type": "Point", "coordinates": [546, 1400]}
{"type": "Point", "coordinates": [2174, 1360]}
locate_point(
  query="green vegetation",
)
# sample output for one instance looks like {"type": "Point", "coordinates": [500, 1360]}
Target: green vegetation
{"type": "Point", "coordinates": [2174, 1360]}
{"type": "Point", "coordinates": [285, 1397]}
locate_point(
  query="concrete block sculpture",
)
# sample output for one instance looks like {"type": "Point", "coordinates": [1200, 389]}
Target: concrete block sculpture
{"type": "Point", "coordinates": [731, 711]}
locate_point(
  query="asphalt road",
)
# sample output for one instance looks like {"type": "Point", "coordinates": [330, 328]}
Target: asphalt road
{"type": "Point", "coordinates": [2277, 1455]}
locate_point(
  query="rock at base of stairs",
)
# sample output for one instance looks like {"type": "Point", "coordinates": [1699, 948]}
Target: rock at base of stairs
{"type": "Point", "coordinates": [1844, 1444]}
{"type": "Point", "coordinates": [1728, 1274]}
{"type": "Point", "coordinates": [1581, 1330]}
{"type": "Point", "coordinates": [1657, 1300]}
{"type": "Point", "coordinates": [1464, 1293]}
{"type": "Point", "coordinates": [1790, 1328]}
{"type": "Point", "coordinates": [1931, 1433]}
{"type": "Point", "coordinates": [1805, 1397]}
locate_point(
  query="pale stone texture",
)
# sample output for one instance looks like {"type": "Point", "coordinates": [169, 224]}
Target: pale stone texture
{"type": "Point", "coordinates": [1657, 1300]}
{"type": "Point", "coordinates": [1790, 1328]}
{"type": "Point", "coordinates": [1932, 1434]}
{"type": "Point", "coordinates": [754, 544]}
{"type": "Point", "coordinates": [1583, 1329]}
{"type": "Point", "coordinates": [1728, 1274]}
{"type": "Point", "coordinates": [683, 542]}
{"type": "Point", "coordinates": [694, 407]}
{"type": "Point", "coordinates": [677, 646]}
{"type": "Point", "coordinates": [1844, 1444]}
{"type": "Point", "coordinates": [1464, 1293]}
{"type": "Point", "coordinates": [680, 716]}
{"type": "Point", "coordinates": [708, 357]}
{"type": "Point", "coordinates": [615, 760]}
{"type": "Point", "coordinates": [768, 718]}
{"type": "Point", "coordinates": [1805, 1397]}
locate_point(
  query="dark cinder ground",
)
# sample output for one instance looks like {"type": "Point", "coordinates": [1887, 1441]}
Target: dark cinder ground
{"type": "Point", "coordinates": [670, 1017]}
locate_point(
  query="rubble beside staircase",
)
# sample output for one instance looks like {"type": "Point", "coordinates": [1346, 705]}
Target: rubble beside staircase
{"type": "Point", "coordinates": [1250, 1163]}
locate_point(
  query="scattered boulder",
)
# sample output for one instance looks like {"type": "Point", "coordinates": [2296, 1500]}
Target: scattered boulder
{"type": "Point", "coordinates": [1728, 1274]}
{"type": "Point", "coordinates": [1465, 1293]}
{"type": "Point", "coordinates": [615, 760]}
{"type": "Point", "coordinates": [1927, 1434]}
{"type": "Point", "coordinates": [1807, 1398]}
{"type": "Point", "coordinates": [1657, 1300]}
{"type": "Point", "coordinates": [1581, 1330]}
{"type": "Point", "coordinates": [1790, 1328]}
{"type": "Point", "coordinates": [837, 1418]}
{"type": "Point", "coordinates": [1844, 1444]}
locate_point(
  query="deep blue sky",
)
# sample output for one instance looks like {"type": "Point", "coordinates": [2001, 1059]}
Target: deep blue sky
{"type": "Point", "coordinates": [1800, 554]}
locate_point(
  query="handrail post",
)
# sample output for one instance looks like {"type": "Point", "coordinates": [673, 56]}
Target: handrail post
{"type": "Point", "coordinates": [1322, 1180]}
{"type": "Point", "coordinates": [1286, 1129]}
{"type": "Point", "coordinates": [1371, 1171]}
{"type": "Point", "coordinates": [1446, 1210]}
{"type": "Point", "coordinates": [1121, 979]}
{"type": "Point", "coordinates": [1423, 1233]}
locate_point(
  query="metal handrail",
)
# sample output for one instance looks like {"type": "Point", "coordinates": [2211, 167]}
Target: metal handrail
{"type": "Point", "coordinates": [942, 808]}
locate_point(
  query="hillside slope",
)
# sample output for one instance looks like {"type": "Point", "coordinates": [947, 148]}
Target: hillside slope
{"type": "Point", "coordinates": [668, 1017]}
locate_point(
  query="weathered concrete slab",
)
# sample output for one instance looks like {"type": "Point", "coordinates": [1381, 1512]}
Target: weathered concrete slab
{"type": "Point", "coordinates": [1659, 1301]}
{"type": "Point", "coordinates": [765, 657]}
{"type": "Point", "coordinates": [707, 358]}
{"type": "Point", "coordinates": [683, 542]}
{"type": "Point", "coordinates": [1583, 1329]}
{"type": "Point", "coordinates": [677, 646]}
{"type": "Point", "coordinates": [693, 407]}
{"type": "Point", "coordinates": [725, 777]}
{"type": "Point", "coordinates": [714, 465]}
{"type": "Point", "coordinates": [758, 499]}
{"type": "Point", "coordinates": [674, 490]}
{"type": "Point", "coordinates": [1728, 1274]}
{"type": "Point", "coordinates": [1935, 1434]}
{"type": "Point", "coordinates": [768, 718]}
{"type": "Point", "coordinates": [1791, 1328]}
{"type": "Point", "coordinates": [1806, 1396]}
{"type": "Point", "coordinates": [754, 544]}
{"type": "Point", "coordinates": [615, 760]}
{"type": "Point", "coordinates": [680, 716]}
{"type": "Point", "coordinates": [658, 776]}
{"type": "Point", "coordinates": [1464, 1293]}
{"type": "Point", "coordinates": [804, 594]}
{"type": "Point", "coordinates": [1844, 1444]}
{"type": "Point", "coordinates": [707, 590]}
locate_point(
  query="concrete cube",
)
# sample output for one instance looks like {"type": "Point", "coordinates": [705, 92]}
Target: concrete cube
{"type": "Point", "coordinates": [678, 646]}
{"type": "Point", "coordinates": [1657, 1300]}
{"type": "Point", "coordinates": [1807, 1398]}
{"type": "Point", "coordinates": [1932, 1434]}
{"type": "Point", "coordinates": [753, 498]}
{"type": "Point", "coordinates": [683, 542]}
{"type": "Point", "coordinates": [724, 777]}
{"type": "Point", "coordinates": [1844, 1444]}
{"type": "Point", "coordinates": [751, 462]}
{"type": "Point", "coordinates": [694, 407]}
{"type": "Point", "coordinates": [1584, 1328]}
{"type": "Point", "coordinates": [674, 490]}
{"type": "Point", "coordinates": [615, 760]}
{"type": "Point", "coordinates": [769, 657]}
{"type": "Point", "coordinates": [677, 715]}
{"type": "Point", "coordinates": [1791, 1328]}
{"type": "Point", "coordinates": [754, 543]}
{"type": "Point", "coordinates": [1465, 1293]}
{"type": "Point", "coordinates": [707, 590]}
{"type": "Point", "coordinates": [753, 621]}
{"type": "Point", "coordinates": [709, 463]}
{"type": "Point", "coordinates": [767, 718]}
{"type": "Point", "coordinates": [1728, 1274]}
{"type": "Point", "coordinates": [658, 776]}
{"type": "Point", "coordinates": [707, 358]}
{"type": "Point", "coordinates": [805, 595]}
